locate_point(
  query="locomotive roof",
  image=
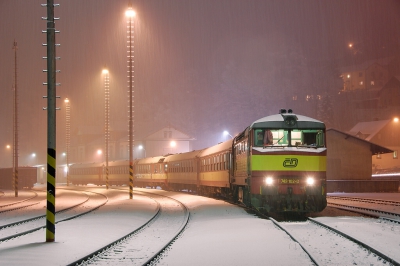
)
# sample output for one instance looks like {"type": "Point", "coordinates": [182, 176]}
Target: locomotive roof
{"type": "Point", "coordinates": [277, 121]}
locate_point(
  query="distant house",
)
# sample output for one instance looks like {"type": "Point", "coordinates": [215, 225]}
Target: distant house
{"type": "Point", "coordinates": [350, 157]}
{"type": "Point", "coordinates": [167, 140]}
{"type": "Point", "coordinates": [371, 75]}
{"type": "Point", "coordinates": [382, 132]}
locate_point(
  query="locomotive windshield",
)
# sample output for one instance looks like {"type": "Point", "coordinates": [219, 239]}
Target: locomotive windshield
{"type": "Point", "coordinates": [289, 137]}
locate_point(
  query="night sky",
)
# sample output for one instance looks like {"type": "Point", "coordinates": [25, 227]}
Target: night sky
{"type": "Point", "coordinates": [200, 66]}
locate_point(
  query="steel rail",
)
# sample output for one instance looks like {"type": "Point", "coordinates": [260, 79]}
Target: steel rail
{"type": "Point", "coordinates": [294, 239]}
{"type": "Point", "coordinates": [371, 249]}
{"type": "Point", "coordinates": [18, 202]}
{"type": "Point", "coordinates": [107, 247]}
{"type": "Point", "coordinates": [62, 220]}
{"type": "Point", "coordinates": [363, 210]}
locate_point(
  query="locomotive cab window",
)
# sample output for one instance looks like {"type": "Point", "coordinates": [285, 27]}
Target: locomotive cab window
{"type": "Point", "coordinates": [289, 137]}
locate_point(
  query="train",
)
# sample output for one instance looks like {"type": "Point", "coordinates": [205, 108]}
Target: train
{"type": "Point", "coordinates": [276, 165]}
{"type": "Point", "coordinates": [27, 177]}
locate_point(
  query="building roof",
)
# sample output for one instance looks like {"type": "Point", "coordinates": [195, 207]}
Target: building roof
{"type": "Point", "coordinates": [367, 130]}
{"type": "Point", "coordinates": [176, 134]}
{"type": "Point", "coordinates": [363, 66]}
{"type": "Point", "coordinates": [374, 148]}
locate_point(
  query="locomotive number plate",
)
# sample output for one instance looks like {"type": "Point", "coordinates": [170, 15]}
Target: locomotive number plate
{"type": "Point", "coordinates": [289, 181]}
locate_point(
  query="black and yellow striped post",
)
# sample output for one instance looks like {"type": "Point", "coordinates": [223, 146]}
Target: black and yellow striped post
{"type": "Point", "coordinates": [51, 123]}
{"type": "Point", "coordinates": [51, 195]}
{"type": "Point", "coordinates": [130, 179]}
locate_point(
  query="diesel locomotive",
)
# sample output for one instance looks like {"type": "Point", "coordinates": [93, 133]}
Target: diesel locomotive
{"type": "Point", "coordinates": [276, 165]}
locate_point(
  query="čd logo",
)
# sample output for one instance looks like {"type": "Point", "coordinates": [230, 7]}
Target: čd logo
{"type": "Point", "coordinates": [290, 162]}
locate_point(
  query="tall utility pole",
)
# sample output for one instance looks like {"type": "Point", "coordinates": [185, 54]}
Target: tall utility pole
{"type": "Point", "coordinates": [130, 27]}
{"type": "Point", "coordinates": [15, 125]}
{"type": "Point", "coordinates": [107, 117]}
{"type": "Point", "coordinates": [51, 121]}
{"type": "Point", "coordinates": [67, 133]}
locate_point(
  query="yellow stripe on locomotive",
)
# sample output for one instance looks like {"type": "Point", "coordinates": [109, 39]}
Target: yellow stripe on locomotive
{"type": "Point", "coordinates": [288, 162]}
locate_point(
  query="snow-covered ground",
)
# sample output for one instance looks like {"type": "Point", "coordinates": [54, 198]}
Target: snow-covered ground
{"type": "Point", "coordinates": [218, 234]}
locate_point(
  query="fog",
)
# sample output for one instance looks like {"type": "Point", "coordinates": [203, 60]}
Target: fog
{"type": "Point", "coordinates": [200, 66]}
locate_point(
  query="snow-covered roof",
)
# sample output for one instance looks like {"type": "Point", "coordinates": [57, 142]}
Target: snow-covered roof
{"type": "Point", "coordinates": [374, 148]}
{"type": "Point", "coordinates": [368, 129]}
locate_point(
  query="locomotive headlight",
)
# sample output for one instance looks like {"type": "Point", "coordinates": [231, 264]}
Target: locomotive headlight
{"type": "Point", "coordinates": [310, 181]}
{"type": "Point", "coordinates": [269, 181]}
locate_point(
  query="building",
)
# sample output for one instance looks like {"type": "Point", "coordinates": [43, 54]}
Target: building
{"type": "Point", "coordinates": [349, 164]}
{"type": "Point", "coordinates": [167, 140]}
{"type": "Point", "coordinates": [350, 157]}
{"type": "Point", "coordinates": [89, 144]}
{"type": "Point", "coordinates": [385, 133]}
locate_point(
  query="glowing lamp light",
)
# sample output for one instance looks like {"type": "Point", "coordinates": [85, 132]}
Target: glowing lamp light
{"type": "Point", "coordinates": [396, 119]}
{"type": "Point", "coordinates": [269, 181]}
{"type": "Point", "coordinates": [99, 152]}
{"type": "Point", "coordinates": [105, 71]}
{"type": "Point", "coordinates": [8, 146]}
{"type": "Point", "coordinates": [130, 13]}
{"type": "Point", "coordinates": [173, 143]}
{"type": "Point", "coordinates": [310, 181]}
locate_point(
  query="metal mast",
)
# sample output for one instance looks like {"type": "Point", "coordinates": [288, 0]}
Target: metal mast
{"type": "Point", "coordinates": [107, 117]}
{"type": "Point", "coordinates": [15, 125]}
{"type": "Point", "coordinates": [51, 120]}
{"type": "Point", "coordinates": [130, 27]}
{"type": "Point", "coordinates": [67, 133]}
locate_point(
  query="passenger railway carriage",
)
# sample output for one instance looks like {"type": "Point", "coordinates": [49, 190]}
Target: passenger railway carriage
{"type": "Point", "coordinates": [277, 164]}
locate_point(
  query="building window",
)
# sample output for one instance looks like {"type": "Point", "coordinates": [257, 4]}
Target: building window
{"type": "Point", "coordinates": [395, 155]}
{"type": "Point", "coordinates": [167, 134]}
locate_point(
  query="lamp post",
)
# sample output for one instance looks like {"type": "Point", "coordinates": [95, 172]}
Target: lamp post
{"type": "Point", "coordinates": [15, 125]}
{"type": "Point", "coordinates": [130, 27]}
{"type": "Point", "coordinates": [34, 158]}
{"type": "Point", "coordinates": [142, 148]}
{"type": "Point", "coordinates": [227, 133]}
{"type": "Point", "coordinates": [67, 133]}
{"type": "Point", "coordinates": [107, 117]}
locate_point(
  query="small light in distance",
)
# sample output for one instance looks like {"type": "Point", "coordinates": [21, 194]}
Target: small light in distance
{"type": "Point", "coordinates": [269, 181]}
{"type": "Point", "coordinates": [99, 152]}
{"type": "Point", "coordinates": [310, 181]}
{"type": "Point", "coordinates": [396, 119]}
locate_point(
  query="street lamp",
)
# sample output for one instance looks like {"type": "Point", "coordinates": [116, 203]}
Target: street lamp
{"type": "Point", "coordinates": [107, 116]}
{"type": "Point", "coordinates": [142, 148]}
{"type": "Point", "coordinates": [67, 133]}
{"type": "Point", "coordinates": [227, 133]}
{"type": "Point", "coordinates": [130, 14]}
{"type": "Point", "coordinates": [34, 158]}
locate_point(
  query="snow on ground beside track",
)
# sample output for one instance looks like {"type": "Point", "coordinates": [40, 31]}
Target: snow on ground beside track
{"type": "Point", "coordinates": [218, 234]}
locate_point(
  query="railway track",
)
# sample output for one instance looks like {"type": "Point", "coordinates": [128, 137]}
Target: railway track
{"type": "Point", "coordinates": [21, 227]}
{"type": "Point", "coordinates": [15, 205]}
{"type": "Point", "coordinates": [146, 244]}
{"type": "Point", "coordinates": [371, 207]}
{"type": "Point", "coordinates": [324, 243]}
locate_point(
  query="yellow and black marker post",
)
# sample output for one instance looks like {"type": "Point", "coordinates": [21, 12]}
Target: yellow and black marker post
{"type": "Point", "coordinates": [51, 195]}
{"type": "Point", "coordinates": [51, 122]}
